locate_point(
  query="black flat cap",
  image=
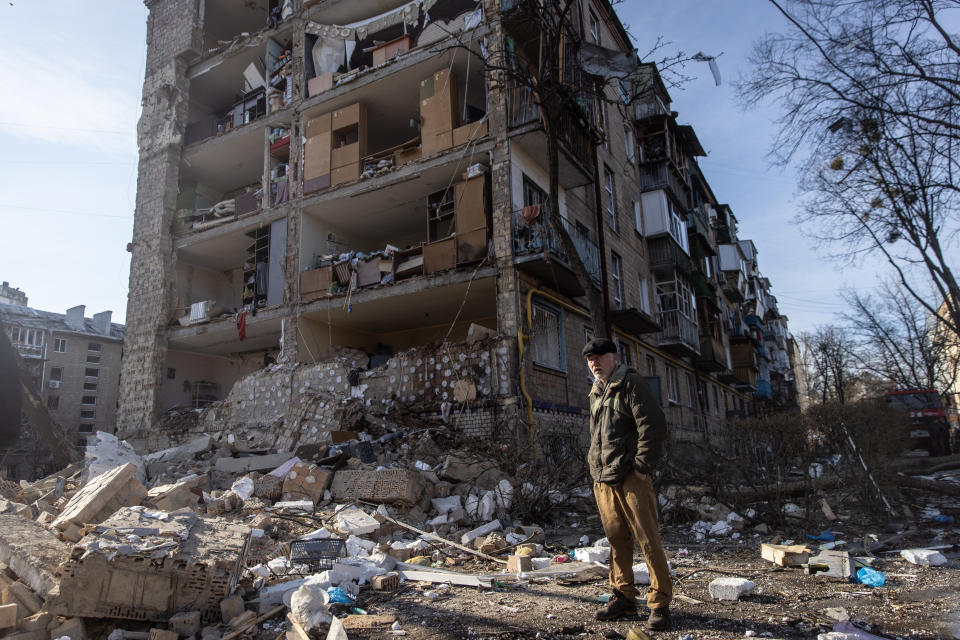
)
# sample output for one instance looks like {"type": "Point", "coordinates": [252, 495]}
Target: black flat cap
{"type": "Point", "coordinates": [598, 347]}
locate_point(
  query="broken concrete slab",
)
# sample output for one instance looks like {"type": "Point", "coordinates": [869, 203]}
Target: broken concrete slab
{"type": "Point", "coordinates": [9, 615]}
{"type": "Point", "coordinates": [170, 497]}
{"type": "Point", "coordinates": [186, 623]}
{"type": "Point", "coordinates": [730, 588]}
{"type": "Point", "coordinates": [924, 557]}
{"type": "Point", "coordinates": [105, 452]}
{"type": "Point", "coordinates": [356, 522]}
{"type": "Point", "coordinates": [32, 552]}
{"type": "Point", "coordinates": [305, 480]}
{"type": "Point", "coordinates": [251, 463]}
{"type": "Point", "coordinates": [179, 561]}
{"type": "Point", "coordinates": [385, 486]}
{"type": "Point", "coordinates": [72, 628]}
{"type": "Point", "coordinates": [186, 451]}
{"type": "Point", "coordinates": [19, 593]}
{"type": "Point", "coordinates": [231, 607]}
{"type": "Point", "coordinates": [101, 497]}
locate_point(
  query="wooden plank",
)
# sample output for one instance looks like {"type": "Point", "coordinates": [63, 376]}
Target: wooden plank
{"type": "Point", "coordinates": [437, 577]}
{"type": "Point", "coordinates": [785, 555]}
{"type": "Point", "coordinates": [368, 621]}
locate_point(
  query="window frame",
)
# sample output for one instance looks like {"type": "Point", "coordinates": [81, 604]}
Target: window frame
{"type": "Point", "coordinates": [88, 401]}
{"type": "Point", "coordinates": [56, 374]}
{"type": "Point", "coordinates": [60, 345]}
{"type": "Point", "coordinates": [53, 403]}
{"type": "Point", "coordinates": [616, 273]}
{"type": "Point", "coordinates": [95, 374]}
{"type": "Point", "coordinates": [593, 26]}
{"type": "Point", "coordinates": [95, 346]}
{"type": "Point", "coordinates": [537, 348]}
{"type": "Point", "coordinates": [610, 191]}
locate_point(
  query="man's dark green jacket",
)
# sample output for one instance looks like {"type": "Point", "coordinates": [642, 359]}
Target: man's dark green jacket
{"type": "Point", "coordinates": [627, 427]}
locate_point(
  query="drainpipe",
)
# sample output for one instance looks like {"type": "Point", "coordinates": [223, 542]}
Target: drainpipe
{"type": "Point", "coordinates": [601, 245]}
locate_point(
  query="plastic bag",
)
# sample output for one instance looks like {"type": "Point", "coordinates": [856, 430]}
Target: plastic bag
{"type": "Point", "coordinates": [871, 577]}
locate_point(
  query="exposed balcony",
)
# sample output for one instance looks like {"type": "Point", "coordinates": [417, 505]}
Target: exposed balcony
{"type": "Point", "coordinates": [764, 390]}
{"type": "Point", "coordinates": [713, 356]}
{"type": "Point", "coordinates": [704, 287]}
{"type": "Point", "coordinates": [678, 333]}
{"type": "Point", "coordinates": [29, 350]}
{"type": "Point", "coordinates": [523, 119]}
{"type": "Point", "coordinates": [734, 286]}
{"type": "Point", "coordinates": [746, 377]}
{"type": "Point", "coordinates": [666, 256]}
{"type": "Point", "coordinates": [743, 354]}
{"type": "Point", "coordinates": [663, 175]}
{"type": "Point", "coordinates": [536, 248]}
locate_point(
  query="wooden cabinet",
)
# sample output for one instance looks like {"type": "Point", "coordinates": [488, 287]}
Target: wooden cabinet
{"type": "Point", "coordinates": [457, 225]}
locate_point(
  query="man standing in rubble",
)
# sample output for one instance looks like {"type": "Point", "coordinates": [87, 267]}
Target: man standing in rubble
{"type": "Point", "coordinates": [627, 434]}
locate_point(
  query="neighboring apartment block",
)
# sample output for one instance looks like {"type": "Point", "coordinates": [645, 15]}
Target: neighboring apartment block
{"type": "Point", "coordinates": [74, 363]}
{"type": "Point", "coordinates": [332, 174]}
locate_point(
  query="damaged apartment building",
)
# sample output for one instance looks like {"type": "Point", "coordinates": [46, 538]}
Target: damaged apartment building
{"type": "Point", "coordinates": [336, 179]}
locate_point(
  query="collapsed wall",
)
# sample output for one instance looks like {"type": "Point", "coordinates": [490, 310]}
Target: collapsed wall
{"type": "Point", "coordinates": [286, 406]}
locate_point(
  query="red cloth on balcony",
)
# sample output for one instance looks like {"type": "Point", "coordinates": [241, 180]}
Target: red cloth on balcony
{"type": "Point", "coordinates": [530, 213]}
{"type": "Point", "coordinates": [242, 325]}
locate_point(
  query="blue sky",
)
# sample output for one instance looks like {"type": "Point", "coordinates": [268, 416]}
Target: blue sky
{"type": "Point", "coordinates": [72, 74]}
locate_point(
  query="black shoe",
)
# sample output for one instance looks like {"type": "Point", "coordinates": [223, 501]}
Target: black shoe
{"type": "Point", "coordinates": [659, 619]}
{"type": "Point", "coordinates": [619, 607]}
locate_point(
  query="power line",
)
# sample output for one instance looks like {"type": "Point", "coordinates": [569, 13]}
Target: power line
{"type": "Point", "coordinates": [65, 212]}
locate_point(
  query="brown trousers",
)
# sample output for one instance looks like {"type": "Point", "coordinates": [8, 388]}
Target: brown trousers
{"type": "Point", "coordinates": [628, 512]}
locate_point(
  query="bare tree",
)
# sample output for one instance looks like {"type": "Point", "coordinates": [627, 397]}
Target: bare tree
{"type": "Point", "coordinates": [870, 92]}
{"type": "Point", "coordinates": [829, 350]}
{"type": "Point", "coordinates": [899, 339]}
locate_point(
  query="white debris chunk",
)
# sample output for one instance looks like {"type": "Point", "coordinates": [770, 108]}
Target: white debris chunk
{"type": "Point", "coordinates": [731, 588]}
{"type": "Point", "coordinates": [924, 557]}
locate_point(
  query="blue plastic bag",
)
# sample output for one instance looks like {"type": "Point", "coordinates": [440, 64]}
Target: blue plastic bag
{"type": "Point", "coordinates": [339, 596]}
{"type": "Point", "coordinates": [943, 519]}
{"type": "Point", "coordinates": [824, 536]}
{"type": "Point", "coordinates": [870, 577]}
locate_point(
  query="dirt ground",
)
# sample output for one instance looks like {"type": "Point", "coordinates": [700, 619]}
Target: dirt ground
{"type": "Point", "coordinates": [915, 602]}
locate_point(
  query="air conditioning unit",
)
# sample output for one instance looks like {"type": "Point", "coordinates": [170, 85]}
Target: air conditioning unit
{"type": "Point", "coordinates": [54, 384]}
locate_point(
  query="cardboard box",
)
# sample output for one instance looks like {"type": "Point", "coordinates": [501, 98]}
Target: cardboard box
{"type": "Point", "coordinates": [316, 156]}
{"type": "Point", "coordinates": [785, 555]}
{"type": "Point", "coordinates": [323, 82]}
{"type": "Point", "coordinates": [342, 175]}
{"type": "Point", "coordinates": [471, 131]}
{"type": "Point", "coordinates": [354, 114]}
{"type": "Point", "coordinates": [368, 272]}
{"type": "Point", "coordinates": [389, 50]}
{"type": "Point", "coordinates": [319, 124]}
{"type": "Point", "coordinates": [471, 246]}
{"type": "Point", "coordinates": [440, 255]}
{"type": "Point", "coordinates": [406, 156]}
{"type": "Point", "coordinates": [247, 202]}
{"type": "Point", "coordinates": [345, 156]}
{"type": "Point", "coordinates": [435, 142]}
{"type": "Point", "coordinates": [315, 281]}
{"type": "Point", "coordinates": [316, 184]}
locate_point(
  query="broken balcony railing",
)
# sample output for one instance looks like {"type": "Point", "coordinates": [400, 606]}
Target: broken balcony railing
{"type": "Point", "coordinates": [538, 236]}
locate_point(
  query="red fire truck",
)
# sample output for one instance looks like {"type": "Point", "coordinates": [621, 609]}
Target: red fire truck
{"type": "Point", "coordinates": [928, 419]}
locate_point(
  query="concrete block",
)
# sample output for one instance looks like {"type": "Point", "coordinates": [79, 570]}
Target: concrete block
{"type": "Point", "coordinates": [170, 497]}
{"type": "Point", "coordinates": [923, 557]}
{"type": "Point", "coordinates": [730, 588]}
{"type": "Point", "coordinates": [102, 496]}
{"type": "Point", "coordinates": [306, 481]}
{"type": "Point", "coordinates": [356, 522]}
{"type": "Point", "coordinates": [72, 628]}
{"type": "Point", "coordinates": [9, 615]}
{"type": "Point", "coordinates": [231, 607]}
{"type": "Point", "coordinates": [516, 564]}
{"type": "Point", "coordinates": [186, 623]}
{"type": "Point", "coordinates": [106, 452]}
{"type": "Point", "coordinates": [385, 486]}
{"type": "Point", "coordinates": [386, 582]}
{"type": "Point", "coordinates": [240, 466]}
{"type": "Point", "coordinates": [268, 487]}
{"type": "Point", "coordinates": [37, 622]}
{"type": "Point", "coordinates": [31, 551]}
{"type": "Point", "coordinates": [482, 530]}
{"type": "Point", "coordinates": [592, 554]}
{"type": "Point", "coordinates": [18, 593]}
{"type": "Point", "coordinates": [203, 558]}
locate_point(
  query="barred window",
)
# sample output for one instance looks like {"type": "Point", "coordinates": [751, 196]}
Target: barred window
{"type": "Point", "coordinates": [546, 340]}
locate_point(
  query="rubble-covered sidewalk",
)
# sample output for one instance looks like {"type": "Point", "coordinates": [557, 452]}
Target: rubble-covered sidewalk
{"type": "Point", "coordinates": [406, 528]}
